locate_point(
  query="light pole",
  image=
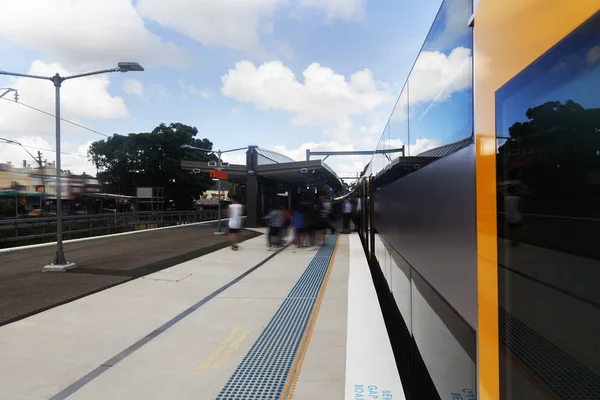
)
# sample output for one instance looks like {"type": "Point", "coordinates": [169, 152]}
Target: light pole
{"type": "Point", "coordinates": [219, 168]}
{"type": "Point", "coordinates": [60, 263]}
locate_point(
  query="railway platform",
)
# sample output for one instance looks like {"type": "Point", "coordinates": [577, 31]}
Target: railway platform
{"type": "Point", "coordinates": [298, 323]}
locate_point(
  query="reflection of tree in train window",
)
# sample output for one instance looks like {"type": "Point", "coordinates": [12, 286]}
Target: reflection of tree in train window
{"type": "Point", "coordinates": [555, 158]}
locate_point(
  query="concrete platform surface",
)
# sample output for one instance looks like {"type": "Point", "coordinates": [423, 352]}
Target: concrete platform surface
{"type": "Point", "coordinates": [102, 262]}
{"type": "Point", "coordinates": [83, 349]}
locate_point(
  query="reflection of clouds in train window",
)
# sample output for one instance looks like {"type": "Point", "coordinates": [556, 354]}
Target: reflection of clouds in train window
{"type": "Point", "coordinates": [422, 145]}
{"type": "Point", "coordinates": [593, 56]}
{"type": "Point", "coordinates": [451, 25]}
{"type": "Point", "coordinates": [436, 76]}
{"type": "Point", "coordinates": [439, 87]}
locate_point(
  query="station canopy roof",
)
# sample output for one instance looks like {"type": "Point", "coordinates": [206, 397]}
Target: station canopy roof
{"type": "Point", "coordinates": [277, 167]}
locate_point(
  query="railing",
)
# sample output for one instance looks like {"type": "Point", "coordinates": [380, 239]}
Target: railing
{"type": "Point", "coordinates": [26, 231]}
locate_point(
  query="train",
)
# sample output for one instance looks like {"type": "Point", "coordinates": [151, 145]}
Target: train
{"type": "Point", "coordinates": [483, 238]}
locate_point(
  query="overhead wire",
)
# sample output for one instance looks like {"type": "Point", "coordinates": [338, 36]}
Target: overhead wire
{"type": "Point", "coordinates": [52, 115]}
{"type": "Point", "coordinates": [15, 143]}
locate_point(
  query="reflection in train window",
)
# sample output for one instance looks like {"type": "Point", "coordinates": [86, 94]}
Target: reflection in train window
{"type": "Point", "coordinates": [433, 116]}
{"type": "Point", "coordinates": [548, 164]}
{"type": "Point", "coordinates": [440, 99]}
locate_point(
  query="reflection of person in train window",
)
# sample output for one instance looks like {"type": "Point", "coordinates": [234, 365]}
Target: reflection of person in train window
{"type": "Point", "coordinates": [512, 208]}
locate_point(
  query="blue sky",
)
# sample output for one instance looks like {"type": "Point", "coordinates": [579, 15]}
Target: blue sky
{"type": "Point", "coordinates": [186, 61]}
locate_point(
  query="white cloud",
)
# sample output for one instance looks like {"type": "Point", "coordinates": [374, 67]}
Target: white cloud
{"type": "Point", "coordinates": [285, 50]}
{"type": "Point", "coordinates": [422, 145]}
{"type": "Point", "coordinates": [593, 56]}
{"type": "Point", "coordinates": [434, 79]}
{"type": "Point", "coordinates": [146, 93]}
{"type": "Point", "coordinates": [191, 90]}
{"type": "Point", "coordinates": [330, 100]}
{"type": "Point", "coordinates": [455, 16]}
{"type": "Point", "coordinates": [74, 156]}
{"type": "Point", "coordinates": [344, 166]}
{"type": "Point", "coordinates": [90, 32]}
{"type": "Point", "coordinates": [322, 98]}
{"type": "Point", "coordinates": [337, 9]}
{"type": "Point", "coordinates": [133, 87]}
{"type": "Point", "coordinates": [80, 98]}
{"type": "Point", "coordinates": [236, 24]}
{"type": "Point", "coordinates": [436, 76]}
{"type": "Point", "coordinates": [157, 92]}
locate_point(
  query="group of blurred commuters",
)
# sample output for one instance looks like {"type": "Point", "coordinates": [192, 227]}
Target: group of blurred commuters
{"type": "Point", "coordinates": [309, 223]}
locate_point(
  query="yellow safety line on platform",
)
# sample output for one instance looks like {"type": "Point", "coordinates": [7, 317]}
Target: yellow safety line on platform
{"type": "Point", "coordinates": [223, 350]}
{"type": "Point", "coordinates": [292, 380]}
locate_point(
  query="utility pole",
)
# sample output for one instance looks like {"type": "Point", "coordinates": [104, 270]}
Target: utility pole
{"type": "Point", "coordinates": [219, 168]}
{"type": "Point", "coordinates": [39, 161]}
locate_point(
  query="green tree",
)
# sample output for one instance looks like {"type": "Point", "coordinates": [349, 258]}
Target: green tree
{"type": "Point", "coordinates": [554, 155]}
{"type": "Point", "coordinates": [235, 192]}
{"type": "Point", "coordinates": [153, 160]}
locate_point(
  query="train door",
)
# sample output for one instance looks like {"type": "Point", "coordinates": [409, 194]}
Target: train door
{"type": "Point", "coordinates": [538, 198]}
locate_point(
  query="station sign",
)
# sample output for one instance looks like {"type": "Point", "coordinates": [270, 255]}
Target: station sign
{"type": "Point", "coordinates": [219, 174]}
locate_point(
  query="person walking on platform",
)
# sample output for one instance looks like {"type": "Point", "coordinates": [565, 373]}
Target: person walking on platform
{"type": "Point", "coordinates": [299, 228]}
{"type": "Point", "coordinates": [347, 213]}
{"type": "Point", "coordinates": [276, 220]}
{"type": "Point", "coordinates": [287, 225]}
{"type": "Point", "coordinates": [326, 217]}
{"type": "Point", "coordinates": [234, 212]}
{"type": "Point", "coordinates": [357, 214]}
{"type": "Point", "coordinates": [313, 222]}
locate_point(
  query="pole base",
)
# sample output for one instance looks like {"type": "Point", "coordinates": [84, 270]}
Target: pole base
{"type": "Point", "coordinates": [59, 267]}
{"type": "Point", "coordinates": [219, 233]}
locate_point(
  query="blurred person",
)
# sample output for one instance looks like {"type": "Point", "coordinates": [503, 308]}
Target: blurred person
{"type": "Point", "coordinates": [287, 226]}
{"type": "Point", "coordinates": [276, 220]}
{"type": "Point", "coordinates": [346, 214]}
{"type": "Point", "coordinates": [357, 215]}
{"type": "Point", "coordinates": [514, 219]}
{"type": "Point", "coordinates": [313, 221]}
{"type": "Point", "coordinates": [234, 212]}
{"type": "Point", "coordinates": [299, 227]}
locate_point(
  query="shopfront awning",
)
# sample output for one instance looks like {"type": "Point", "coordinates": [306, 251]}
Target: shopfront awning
{"type": "Point", "coordinates": [109, 196]}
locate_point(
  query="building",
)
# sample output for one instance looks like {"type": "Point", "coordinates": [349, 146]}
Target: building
{"type": "Point", "coordinates": [34, 188]}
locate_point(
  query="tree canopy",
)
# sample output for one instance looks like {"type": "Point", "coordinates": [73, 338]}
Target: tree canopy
{"type": "Point", "coordinates": [153, 159]}
{"type": "Point", "coordinates": [554, 155]}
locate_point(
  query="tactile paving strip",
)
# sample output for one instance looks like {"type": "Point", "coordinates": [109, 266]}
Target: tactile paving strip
{"type": "Point", "coordinates": [561, 373]}
{"type": "Point", "coordinates": [263, 372]}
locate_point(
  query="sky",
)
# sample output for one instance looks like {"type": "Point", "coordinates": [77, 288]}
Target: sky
{"type": "Point", "coordinates": [286, 75]}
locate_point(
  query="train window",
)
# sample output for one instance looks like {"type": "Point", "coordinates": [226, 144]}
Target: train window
{"type": "Point", "coordinates": [440, 97]}
{"type": "Point", "coordinates": [548, 164]}
{"type": "Point", "coordinates": [399, 125]}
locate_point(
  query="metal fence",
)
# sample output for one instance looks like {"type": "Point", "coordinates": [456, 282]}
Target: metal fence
{"type": "Point", "coordinates": [26, 231]}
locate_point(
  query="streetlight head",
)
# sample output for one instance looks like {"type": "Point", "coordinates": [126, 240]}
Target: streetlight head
{"type": "Point", "coordinates": [130, 67]}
